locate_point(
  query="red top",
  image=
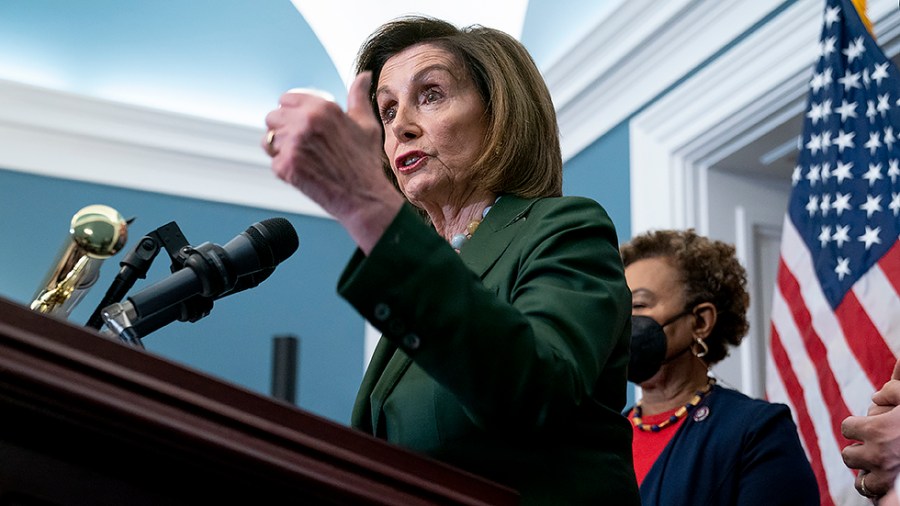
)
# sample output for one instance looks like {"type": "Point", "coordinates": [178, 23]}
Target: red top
{"type": "Point", "coordinates": [646, 446]}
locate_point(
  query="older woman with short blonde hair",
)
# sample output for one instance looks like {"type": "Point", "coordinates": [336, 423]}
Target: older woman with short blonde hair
{"type": "Point", "coordinates": [505, 314]}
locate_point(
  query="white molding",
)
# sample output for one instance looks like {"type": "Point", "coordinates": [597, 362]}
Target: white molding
{"type": "Point", "coordinates": [731, 102]}
{"type": "Point", "coordinates": [756, 86]}
{"type": "Point", "coordinates": [743, 244]}
{"type": "Point", "coordinates": [635, 54]}
{"type": "Point", "coordinates": [69, 136]}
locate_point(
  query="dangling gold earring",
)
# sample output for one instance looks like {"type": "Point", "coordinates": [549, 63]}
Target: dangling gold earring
{"type": "Point", "coordinates": [704, 349]}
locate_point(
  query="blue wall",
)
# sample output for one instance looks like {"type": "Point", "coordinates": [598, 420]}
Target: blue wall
{"type": "Point", "coordinates": [234, 341]}
{"type": "Point", "coordinates": [601, 172]}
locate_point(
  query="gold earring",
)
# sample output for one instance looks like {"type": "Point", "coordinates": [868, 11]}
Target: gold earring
{"type": "Point", "coordinates": [704, 348]}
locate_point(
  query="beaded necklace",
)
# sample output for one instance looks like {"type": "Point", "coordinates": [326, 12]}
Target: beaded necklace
{"type": "Point", "coordinates": [458, 240]}
{"type": "Point", "coordinates": [680, 413]}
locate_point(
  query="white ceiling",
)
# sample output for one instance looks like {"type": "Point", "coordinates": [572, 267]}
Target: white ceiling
{"type": "Point", "coordinates": [342, 34]}
{"type": "Point", "coordinates": [230, 61]}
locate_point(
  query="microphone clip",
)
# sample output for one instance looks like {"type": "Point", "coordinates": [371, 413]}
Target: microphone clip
{"type": "Point", "coordinates": [121, 317]}
{"type": "Point", "coordinates": [118, 318]}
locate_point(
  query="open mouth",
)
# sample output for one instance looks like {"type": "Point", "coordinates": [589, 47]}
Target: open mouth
{"type": "Point", "coordinates": [411, 161]}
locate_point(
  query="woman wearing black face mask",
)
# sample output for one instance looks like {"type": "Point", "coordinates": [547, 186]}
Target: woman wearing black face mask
{"type": "Point", "coordinates": [696, 442]}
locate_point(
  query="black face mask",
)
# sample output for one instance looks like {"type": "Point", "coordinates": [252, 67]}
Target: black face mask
{"type": "Point", "coordinates": [648, 347]}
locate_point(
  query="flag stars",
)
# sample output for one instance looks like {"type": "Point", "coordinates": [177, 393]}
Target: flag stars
{"type": "Point", "coordinates": [841, 203]}
{"type": "Point", "coordinates": [846, 110]}
{"type": "Point", "coordinates": [872, 205]}
{"type": "Point", "coordinates": [843, 268]}
{"type": "Point", "coordinates": [826, 111]}
{"type": "Point", "coordinates": [854, 50]}
{"type": "Point", "coordinates": [842, 171]}
{"type": "Point", "coordinates": [841, 235]}
{"type": "Point", "coordinates": [850, 80]}
{"type": "Point", "coordinates": [856, 85]}
{"type": "Point", "coordinates": [826, 141]}
{"type": "Point", "coordinates": [873, 143]}
{"type": "Point", "coordinates": [813, 205]}
{"type": "Point", "coordinates": [825, 206]}
{"type": "Point", "coordinates": [889, 138]}
{"type": "Point", "coordinates": [880, 72]}
{"type": "Point", "coordinates": [884, 104]}
{"type": "Point", "coordinates": [844, 140]}
{"type": "Point", "coordinates": [814, 144]}
{"type": "Point", "coordinates": [895, 203]}
{"type": "Point", "coordinates": [819, 111]}
{"type": "Point", "coordinates": [871, 111]}
{"type": "Point", "coordinates": [825, 235]}
{"type": "Point", "coordinates": [832, 15]}
{"type": "Point", "coordinates": [870, 237]}
{"type": "Point", "coordinates": [813, 175]}
{"type": "Point", "coordinates": [827, 46]}
{"type": "Point", "coordinates": [873, 174]}
{"type": "Point", "coordinates": [815, 113]}
{"type": "Point", "coordinates": [893, 169]}
{"type": "Point", "coordinates": [826, 167]}
{"type": "Point", "coordinates": [817, 82]}
{"type": "Point", "coordinates": [821, 80]}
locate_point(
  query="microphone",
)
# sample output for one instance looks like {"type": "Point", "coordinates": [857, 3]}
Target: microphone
{"type": "Point", "coordinates": [210, 271]}
{"type": "Point", "coordinates": [194, 308]}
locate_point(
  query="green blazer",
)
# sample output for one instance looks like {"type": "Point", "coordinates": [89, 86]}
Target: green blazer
{"type": "Point", "coordinates": [507, 359]}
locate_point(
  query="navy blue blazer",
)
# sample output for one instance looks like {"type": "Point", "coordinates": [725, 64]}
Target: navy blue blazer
{"type": "Point", "coordinates": [742, 452]}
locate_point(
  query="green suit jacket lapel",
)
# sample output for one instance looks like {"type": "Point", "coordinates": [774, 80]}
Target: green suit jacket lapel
{"type": "Point", "coordinates": [488, 244]}
{"type": "Point", "coordinates": [388, 363]}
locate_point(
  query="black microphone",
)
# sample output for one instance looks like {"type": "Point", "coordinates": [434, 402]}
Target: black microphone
{"type": "Point", "coordinates": [213, 271]}
{"type": "Point", "coordinates": [195, 307]}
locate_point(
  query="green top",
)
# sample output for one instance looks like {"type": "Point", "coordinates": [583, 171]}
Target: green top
{"type": "Point", "coordinates": [507, 359]}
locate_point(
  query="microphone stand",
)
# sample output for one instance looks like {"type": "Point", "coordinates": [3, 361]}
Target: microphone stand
{"type": "Point", "coordinates": [120, 318]}
{"type": "Point", "coordinates": [133, 267]}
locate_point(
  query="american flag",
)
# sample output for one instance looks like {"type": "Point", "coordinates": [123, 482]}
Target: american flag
{"type": "Point", "coordinates": [835, 328]}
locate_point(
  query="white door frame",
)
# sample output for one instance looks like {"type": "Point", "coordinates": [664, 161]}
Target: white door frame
{"type": "Point", "coordinates": [758, 84]}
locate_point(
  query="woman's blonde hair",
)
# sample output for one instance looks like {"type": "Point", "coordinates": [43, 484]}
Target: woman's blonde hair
{"type": "Point", "coordinates": [521, 153]}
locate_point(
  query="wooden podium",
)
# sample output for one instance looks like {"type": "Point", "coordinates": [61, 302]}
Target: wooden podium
{"type": "Point", "coordinates": [87, 420]}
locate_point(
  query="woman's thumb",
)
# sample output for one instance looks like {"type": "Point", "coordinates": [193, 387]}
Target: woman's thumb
{"type": "Point", "coordinates": [359, 105]}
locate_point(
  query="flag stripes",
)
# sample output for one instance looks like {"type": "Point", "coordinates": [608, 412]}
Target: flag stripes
{"type": "Point", "coordinates": [835, 320]}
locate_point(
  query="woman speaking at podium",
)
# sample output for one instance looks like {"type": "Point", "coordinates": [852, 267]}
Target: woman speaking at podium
{"type": "Point", "coordinates": [503, 306]}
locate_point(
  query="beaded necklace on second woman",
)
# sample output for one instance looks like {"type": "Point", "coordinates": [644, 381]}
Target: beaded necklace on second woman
{"type": "Point", "coordinates": [681, 412]}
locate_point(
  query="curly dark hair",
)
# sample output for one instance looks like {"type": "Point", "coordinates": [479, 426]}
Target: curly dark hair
{"type": "Point", "coordinates": [711, 273]}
